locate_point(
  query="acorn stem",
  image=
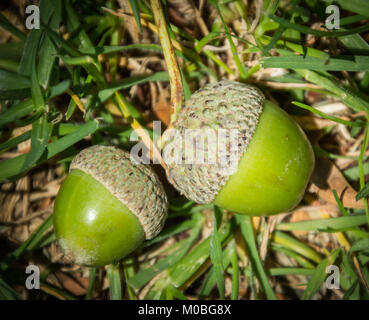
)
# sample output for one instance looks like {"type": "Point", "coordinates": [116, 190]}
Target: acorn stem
{"type": "Point", "coordinates": [175, 79]}
{"type": "Point", "coordinates": [141, 132]}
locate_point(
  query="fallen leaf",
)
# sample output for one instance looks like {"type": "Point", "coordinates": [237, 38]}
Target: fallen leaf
{"type": "Point", "coordinates": [326, 178]}
{"type": "Point", "coordinates": [160, 105]}
{"type": "Point", "coordinates": [75, 284]}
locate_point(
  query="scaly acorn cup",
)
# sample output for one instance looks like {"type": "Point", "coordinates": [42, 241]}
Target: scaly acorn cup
{"type": "Point", "coordinates": [107, 206]}
{"type": "Point", "coordinates": [274, 159]}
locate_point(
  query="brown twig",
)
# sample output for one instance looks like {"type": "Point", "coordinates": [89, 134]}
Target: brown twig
{"type": "Point", "coordinates": [27, 218]}
{"type": "Point", "coordinates": [176, 87]}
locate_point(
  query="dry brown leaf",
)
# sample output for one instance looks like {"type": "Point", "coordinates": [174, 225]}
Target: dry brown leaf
{"type": "Point", "coordinates": [160, 105]}
{"type": "Point", "coordinates": [326, 178]}
{"type": "Point", "coordinates": [76, 284]}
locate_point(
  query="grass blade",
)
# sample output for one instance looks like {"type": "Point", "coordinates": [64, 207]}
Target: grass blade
{"type": "Point", "coordinates": [136, 13]}
{"type": "Point", "coordinates": [319, 276]}
{"type": "Point", "coordinates": [13, 86]}
{"type": "Point", "coordinates": [328, 117]}
{"type": "Point", "coordinates": [106, 93]}
{"type": "Point", "coordinates": [216, 252]}
{"type": "Point", "coordinates": [235, 273]}
{"type": "Point", "coordinates": [240, 66]}
{"type": "Point", "coordinates": [30, 52]}
{"type": "Point", "coordinates": [56, 292]}
{"type": "Point", "coordinates": [325, 225]}
{"type": "Point", "coordinates": [47, 50]}
{"type": "Point", "coordinates": [37, 96]}
{"type": "Point", "coordinates": [12, 167]}
{"type": "Point", "coordinates": [361, 169]}
{"type": "Point", "coordinates": [364, 192]}
{"type": "Point", "coordinates": [33, 239]}
{"type": "Point", "coordinates": [343, 63]}
{"type": "Point", "coordinates": [358, 6]}
{"type": "Point", "coordinates": [302, 261]}
{"type": "Point", "coordinates": [40, 134]}
{"type": "Point", "coordinates": [114, 49]}
{"type": "Point", "coordinates": [7, 292]}
{"type": "Point", "coordinates": [75, 28]}
{"type": "Point", "coordinates": [360, 245]}
{"type": "Point", "coordinates": [306, 30]}
{"type": "Point", "coordinates": [115, 282]}
{"type": "Point", "coordinates": [182, 272]}
{"type": "Point", "coordinates": [210, 279]}
{"type": "Point", "coordinates": [290, 271]}
{"type": "Point", "coordinates": [248, 235]}
{"type": "Point", "coordinates": [347, 95]}
{"type": "Point", "coordinates": [7, 25]}
{"type": "Point", "coordinates": [11, 50]}
{"type": "Point", "coordinates": [15, 141]}
{"type": "Point", "coordinates": [174, 292]}
{"type": "Point", "coordinates": [142, 277]}
{"type": "Point", "coordinates": [295, 245]}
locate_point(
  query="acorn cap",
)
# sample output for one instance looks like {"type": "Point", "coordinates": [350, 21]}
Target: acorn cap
{"type": "Point", "coordinates": [220, 105]}
{"type": "Point", "coordinates": [135, 185]}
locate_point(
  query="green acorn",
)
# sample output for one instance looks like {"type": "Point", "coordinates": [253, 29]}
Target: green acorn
{"type": "Point", "coordinates": [274, 159]}
{"type": "Point", "coordinates": [107, 206]}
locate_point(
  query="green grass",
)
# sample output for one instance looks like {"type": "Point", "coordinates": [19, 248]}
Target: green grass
{"type": "Point", "coordinates": [79, 49]}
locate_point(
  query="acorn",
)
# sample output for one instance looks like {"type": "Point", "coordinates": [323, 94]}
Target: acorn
{"type": "Point", "coordinates": [107, 206]}
{"type": "Point", "coordinates": [272, 159]}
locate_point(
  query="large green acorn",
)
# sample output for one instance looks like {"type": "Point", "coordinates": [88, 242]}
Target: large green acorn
{"type": "Point", "coordinates": [107, 206]}
{"type": "Point", "coordinates": [274, 159]}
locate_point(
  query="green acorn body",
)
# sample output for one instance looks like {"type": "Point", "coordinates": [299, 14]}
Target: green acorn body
{"type": "Point", "coordinates": [272, 158]}
{"type": "Point", "coordinates": [107, 206]}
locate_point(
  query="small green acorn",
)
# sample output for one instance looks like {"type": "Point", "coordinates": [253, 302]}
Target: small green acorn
{"type": "Point", "coordinates": [107, 206]}
{"type": "Point", "coordinates": [274, 159]}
